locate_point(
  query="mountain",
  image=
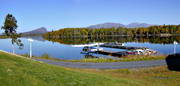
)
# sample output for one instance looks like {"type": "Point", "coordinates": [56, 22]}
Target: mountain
{"type": "Point", "coordinates": [136, 25]}
{"type": "Point", "coordinates": [106, 25]}
{"type": "Point", "coordinates": [116, 25]}
{"type": "Point", "coordinates": [41, 30]}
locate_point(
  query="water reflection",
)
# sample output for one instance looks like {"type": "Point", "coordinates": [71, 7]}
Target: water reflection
{"type": "Point", "coordinates": [38, 38]}
{"type": "Point", "coordinates": [63, 49]}
{"type": "Point", "coordinates": [120, 39]}
{"type": "Point", "coordinates": [90, 56]}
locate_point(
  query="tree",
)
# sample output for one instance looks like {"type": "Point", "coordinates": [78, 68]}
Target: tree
{"type": "Point", "coordinates": [10, 27]}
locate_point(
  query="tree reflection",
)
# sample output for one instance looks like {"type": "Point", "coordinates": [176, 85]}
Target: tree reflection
{"type": "Point", "coordinates": [121, 39]}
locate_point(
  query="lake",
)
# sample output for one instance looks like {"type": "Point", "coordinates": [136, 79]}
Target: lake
{"type": "Point", "coordinates": [62, 49]}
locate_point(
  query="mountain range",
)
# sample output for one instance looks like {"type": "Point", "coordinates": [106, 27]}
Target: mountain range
{"type": "Point", "coordinates": [40, 30]}
{"type": "Point", "coordinates": [43, 30]}
{"type": "Point", "coordinates": [116, 25]}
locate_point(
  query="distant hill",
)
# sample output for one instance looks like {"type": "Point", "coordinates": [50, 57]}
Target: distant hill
{"type": "Point", "coordinates": [106, 25]}
{"type": "Point", "coordinates": [116, 25]}
{"type": "Point", "coordinates": [41, 30]}
{"type": "Point", "coordinates": [136, 25]}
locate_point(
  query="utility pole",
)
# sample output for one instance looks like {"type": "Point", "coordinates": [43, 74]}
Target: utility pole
{"type": "Point", "coordinates": [30, 40]}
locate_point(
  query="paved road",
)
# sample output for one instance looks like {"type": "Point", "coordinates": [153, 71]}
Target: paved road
{"type": "Point", "coordinates": [133, 64]}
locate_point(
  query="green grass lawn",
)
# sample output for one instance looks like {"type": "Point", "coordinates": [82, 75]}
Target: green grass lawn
{"type": "Point", "coordinates": [18, 71]}
{"type": "Point", "coordinates": [154, 76]}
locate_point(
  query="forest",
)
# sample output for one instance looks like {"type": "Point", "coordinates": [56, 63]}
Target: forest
{"type": "Point", "coordinates": [165, 30]}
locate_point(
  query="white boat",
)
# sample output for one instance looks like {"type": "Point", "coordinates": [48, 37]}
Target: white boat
{"type": "Point", "coordinates": [145, 51]}
{"type": "Point", "coordinates": [91, 49]}
{"type": "Point", "coordinates": [139, 51]}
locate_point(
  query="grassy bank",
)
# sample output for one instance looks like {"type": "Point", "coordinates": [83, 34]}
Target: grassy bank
{"type": "Point", "coordinates": [154, 76]}
{"type": "Point", "coordinates": [105, 60]}
{"type": "Point", "coordinates": [18, 71]}
{"type": "Point", "coordinates": [122, 59]}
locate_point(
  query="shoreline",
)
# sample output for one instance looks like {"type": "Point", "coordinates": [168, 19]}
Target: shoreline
{"type": "Point", "coordinates": [112, 65]}
{"type": "Point", "coordinates": [131, 58]}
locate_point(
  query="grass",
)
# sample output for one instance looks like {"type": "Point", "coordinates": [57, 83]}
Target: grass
{"type": "Point", "coordinates": [105, 60]}
{"type": "Point", "coordinates": [123, 59]}
{"type": "Point", "coordinates": [18, 71]}
{"type": "Point", "coordinates": [154, 76]}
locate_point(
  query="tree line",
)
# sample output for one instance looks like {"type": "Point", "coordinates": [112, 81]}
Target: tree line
{"type": "Point", "coordinates": [120, 31]}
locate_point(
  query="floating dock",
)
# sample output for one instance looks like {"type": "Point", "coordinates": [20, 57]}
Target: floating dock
{"type": "Point", "coordinates": [112, 45]}
{"type": "Point", "coordinates": [130, 50]}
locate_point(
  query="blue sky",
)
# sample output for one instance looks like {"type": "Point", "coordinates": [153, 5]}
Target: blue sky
{"type": "Point", "coordinates": [56, 14]}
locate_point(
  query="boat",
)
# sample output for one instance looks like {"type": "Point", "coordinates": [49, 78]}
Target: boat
{"type": "Point", "coordinates": [131, 53]}
{"type": "Point", "coordinates": [91, 49]}
{"type": "Point", "coordinates": [145, 51]}
{"type": "Point", "coordinates": [139, 51]}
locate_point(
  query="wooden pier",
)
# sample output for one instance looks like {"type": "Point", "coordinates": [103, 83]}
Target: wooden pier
{"type": "Point", "coordinates": [130, 50]}
{"type": "Point", "coordinates": [121, 47]}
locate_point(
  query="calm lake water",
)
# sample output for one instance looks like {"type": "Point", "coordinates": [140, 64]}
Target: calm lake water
{"type": "Point", "coordinates": [67, 52]}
